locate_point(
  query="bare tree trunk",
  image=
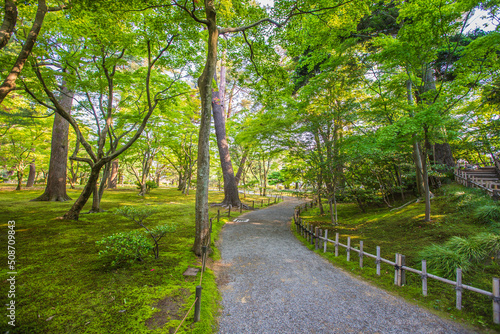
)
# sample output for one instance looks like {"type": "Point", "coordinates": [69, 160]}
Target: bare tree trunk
{"type": "Point", "coordinates": [55, 190]}
{"type": "Point", "coordinates": [9, 22]}
{"type": "Point", "coordinates": [31, 175]}
{"type": "Point", "coordinates": [9, 83]}
{"type": "Point", "coordinates": [202, 234]}
{"type": "Point", "coordinates": [332, 212]}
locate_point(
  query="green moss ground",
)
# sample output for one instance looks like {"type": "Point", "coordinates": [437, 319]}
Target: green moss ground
{"type": "Point", "coordinates": [64, 287]}
{"type": "Point", "coordinates": [404, 231]}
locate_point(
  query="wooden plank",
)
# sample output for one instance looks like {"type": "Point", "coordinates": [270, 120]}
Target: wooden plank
{"type": "Point", "coordinates": [387, 261]}
{"type": "Point", "coordinates": [471, 288]}
{"type": "Point", "coordinates": [369, 255]}
{"type": "Point", "coordinates": [444, 280]}
{"type": "Point", "coordinates": [405, 268]}
{"type": "Point", "coordinates": [458, 288]}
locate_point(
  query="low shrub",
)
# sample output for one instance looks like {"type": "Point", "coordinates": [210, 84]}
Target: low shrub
{"type": "Point", "coordinates": [461, 253]}
{"type": "Point", "coordinates": [139, 215]}
{"type": "Point", "coordinates": [487, 213]}
{"type": "Point", "coordinates": [124, 247]}
{"type": "Point", "coordinates": [443, 261]}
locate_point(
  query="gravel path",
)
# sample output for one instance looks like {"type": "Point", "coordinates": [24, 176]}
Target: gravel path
{"type": "Point", "coordinates": [271, 283]}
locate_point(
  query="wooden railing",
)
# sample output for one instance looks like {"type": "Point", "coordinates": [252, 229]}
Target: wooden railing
{"type": "Point", "coordinates": [465, 178]}
{"type": "Point", "coordinates": [315, 236]}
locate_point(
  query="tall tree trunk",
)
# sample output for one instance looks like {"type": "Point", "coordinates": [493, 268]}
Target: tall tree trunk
{"type": "Point", "coordinates": [9, 22]}
{"type": "Point", "coordinates": [202, 236]}
{"type": "Point", "coordinates": [9, 83]}
{"type": "Point", "coordinates": [113, 176]}
{"type": "Point", "coordinates": [231, 196]}
{"type": "Point", "coordinates": [416, 146]}
{"type": "Point", "coordinates": [320, 184]}
{"type": "Point", "coordinates": [429, 84]}
{"type": "Point", "coordinates": [55, 190]}
{"type": "Point", "coordinates": [31, 175]}
{"type": "Point", "coordinates": [443, 155]}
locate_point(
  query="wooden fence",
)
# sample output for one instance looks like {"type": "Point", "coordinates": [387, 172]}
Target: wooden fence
{"type": "Point", "coordinates": [461, 177]}
{"type": "Point", "coordinates": [316, 236]}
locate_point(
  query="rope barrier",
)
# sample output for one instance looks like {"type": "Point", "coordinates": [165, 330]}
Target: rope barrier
{"type": "Point", "coordinates": [185, 316]}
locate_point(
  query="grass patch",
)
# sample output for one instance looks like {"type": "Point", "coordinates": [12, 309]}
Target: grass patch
{"type": "Point", "coordinates": [454, 213]}
{"type": "Point", "coordinates": [64, 287]}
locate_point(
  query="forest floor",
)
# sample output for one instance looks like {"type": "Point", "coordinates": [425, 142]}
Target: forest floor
{"type": "Point", "coordinates": [63, 286]}
{"type": "Point", "coordinates": [271, 283]}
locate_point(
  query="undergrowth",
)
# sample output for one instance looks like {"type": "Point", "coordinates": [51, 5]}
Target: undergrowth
{"type": "Point", "coordinates": [455, 237]}
{"type": "Point", "coordinates": [63, 286]}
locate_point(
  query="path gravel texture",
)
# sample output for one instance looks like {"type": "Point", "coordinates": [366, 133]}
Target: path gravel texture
{"type": "Point", "coordinates": [271, 283]}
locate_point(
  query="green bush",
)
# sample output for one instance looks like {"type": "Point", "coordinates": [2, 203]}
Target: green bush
{"type": "Point", "coordinates": [149, 185]}
{"type": "Point", "coordinates": [460, 253]}
{"type": "Point", "coordinates": [124, 247]}
{"type": "Point", "coordinates": [136, 213]}
{"type": "Point", "coordinates": [139, 215]}
{"type": "Point", "coordinates": [443, 261]}
{"type": "Point", "coordinates": [487, 213]}
{"type": "Point", "coordinates": [471, 248]}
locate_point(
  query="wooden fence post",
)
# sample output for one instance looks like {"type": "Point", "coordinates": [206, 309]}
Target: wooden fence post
{"type": "Point", "coordinates": [316, 238]}
{"type": "Point", "coordinates": [396, 269]}
{"type": "Point", "coordinates": [218, 215]}
{"type": "Point", "coordinates": [311, 230]}
{"type": "Point", "coordinates": [424, 277]}
{"type": "Point", "coordinates": [325, 242]}
{"type": "Point", "coordinates": [336, 244]}
{"type": "Point", "coordinates": [402, 272]}
{"type": "Point", "coordinates": [348, 248]}
{"type": "Point", "coordinates": [197, 304]}
{"type": "Point", "coordinates": [253, 204]}
{"type": "Point", "coordinates": [496, 300]}
{"type": "Point", "coordinates": [458, 288]}
{"type": "Point", "coordinates": [361, 254]}
{"type": "Point", "coordinates": [377, 260]}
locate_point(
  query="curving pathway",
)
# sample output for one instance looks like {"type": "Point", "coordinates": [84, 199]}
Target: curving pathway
{"type": "Point", "coordinates": [271, 283]}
